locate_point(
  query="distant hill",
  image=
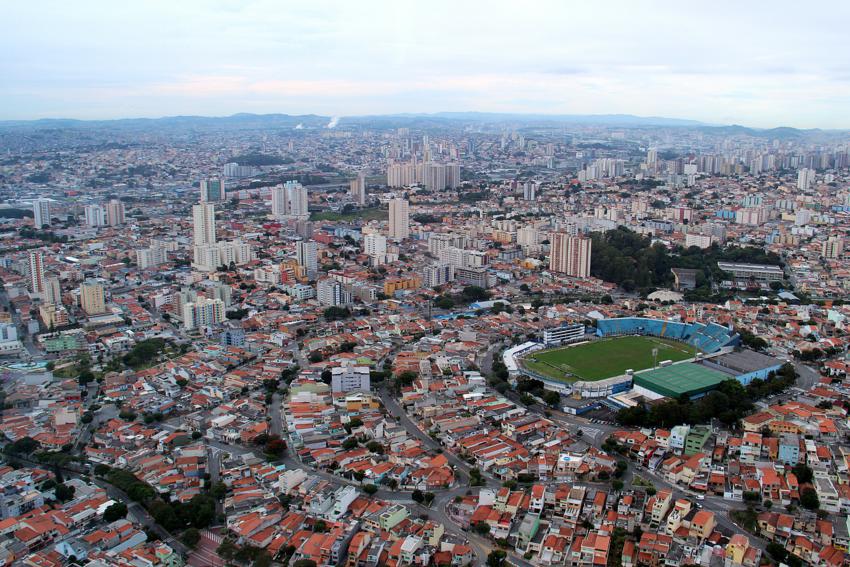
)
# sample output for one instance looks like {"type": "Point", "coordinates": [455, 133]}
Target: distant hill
{"type": "Point", "coordinates": [314, 121]}
{"type": "Point", "coordinates": [782, 133]}
{"type": "Point", "coordinates": [242, 120]}
{"type": "Point", "coordinates": [603, 119]}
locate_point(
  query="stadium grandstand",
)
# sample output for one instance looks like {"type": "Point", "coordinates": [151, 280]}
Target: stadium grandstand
{"type": "Point", "coordinates": [708, 338]}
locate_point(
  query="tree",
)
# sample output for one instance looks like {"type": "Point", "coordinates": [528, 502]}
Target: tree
{"type": "Point", "coordinates": [315, 356]}
{"type": "Point", "coordinates": [405, 378]}
{"type": "Point", "coordinates": [144, 352]}
{"type": "Point", "coordinates": [191, 537]}
{"type": "Point", "coordinates": [336, 313]}
{"type": "Point", "coordinates": [276, 446]}
{"type": "Point", "coordinates": [370, 489]}
{"type": "Point", "coordinates": [228, 549]}
{"type": "Point", "coordinates": [803, 473]}
{"type": "Point", "coordinates": [496, 558]}
{"type": "Point", "coordinates": [219, 490]}
{"type": "Point", "coordinates": [64, 492]}
{"type": "Point", "coordinates": [263, 559]}
{"type": "Point", "coordinates": [428, 498]}
{"type": "Point", "coordinates": [473, 293]}
{"type": "Point", "coordinates": [777, 551]}
{"type": "Point", "coordinates": [552, 399]}
{"type": "Point", "coordinates": [809, 498]}
{"type": "Point", "coordinates": [127, 415]}
{"type": "Point", "coordinates": [101, 470]}
{"type": "Point", "coordinates": [23, 446]}
{"type": "Point", "coordinates": [417, 496]}
{"type": "Point", "coordinates": [482, 528]}
{"type": "Point", "coordinates": [85, 377]}
{"type": "Point", "coordinates": [751, 496]}
{"type": "Point", "coordinates": [617, 485]}
{"type": "Point", "coordinates": [115, 512]}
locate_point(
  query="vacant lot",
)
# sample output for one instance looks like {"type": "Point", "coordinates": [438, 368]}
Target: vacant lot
{"type": "Point", "coordinates": [363, 214]}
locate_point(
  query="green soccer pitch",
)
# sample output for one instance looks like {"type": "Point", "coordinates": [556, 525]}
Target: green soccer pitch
{"type": "Point", "coordinates": [605, 358]}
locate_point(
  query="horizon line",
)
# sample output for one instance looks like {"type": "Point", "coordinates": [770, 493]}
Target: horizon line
{"type": "Point", "coordinates": [686, 122]}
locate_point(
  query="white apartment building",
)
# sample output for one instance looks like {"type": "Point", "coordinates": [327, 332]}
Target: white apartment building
{"type": "Point", "coordinates": [203, 312]}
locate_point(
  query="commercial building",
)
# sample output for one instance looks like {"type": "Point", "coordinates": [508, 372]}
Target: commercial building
{"type": "Point", "coordinates": [350, 378]}
{"type": "Point", "coordinates": [399, 219]}
{"type": "Point", "coordinates": [437, 274]}
{"type": "Point", "coordinates": [212, 191]}
{"type": "Point", "coordinates": [151, 256]}
{"type": "Point", "coordinates": [357, 188]}
{"type": "Point", "coordinates": [290, 201]}
{"type": "Point", "coordinates": [392, 285]}
{"type": "Point", "coordinates": [375, 245]}
{"type": "Point", "coordinates": [745, 274]}
{"type": "Point", "coordinates": [203, 312]}
{"type": "Point", "coordinates": [832, 248]}
{"type": "Point", "coordinates": [744, 365]}
{"type": "Point", "coordinates": [279, 204]}
{"type": "Point", "coordinates": [95, 216]}
{"type": "Point", "coordinates": [677, 379]}
{"type": "Point", "coordinates": [92, 298]}
{"type": "Point", "coordinates": [564, 334]}
{"type": "Point", "coordinates": [52, 291]}
{"type": "Point", "coordinates": [203, 224]}
{"type": "Point", "coordinates": [306, 255]}
{"type": "Point", "coordinates": [331, 293]}
{"type": "Point", "coordinates": [472, 276]}
{"type": "Point", "coordinates": [210, 257]}
{"type": "Point", "coordinates": [570, 255]}
{"type": "Point", "coordinates": [114, 212]}
{"type": "Point", "coordinates": [36, 272]}
{"type": "Point", "coordinates": [433, 176]}
{"type": "Point", "coordinates": [41, 212]}
{"type": "Point", "coordinates": [805, 178]}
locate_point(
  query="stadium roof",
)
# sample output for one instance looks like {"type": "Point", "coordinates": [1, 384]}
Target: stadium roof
{"type": "Point", "coordinates": [677, 379]}
{"type": "Point", "coordinates": [744, 361]}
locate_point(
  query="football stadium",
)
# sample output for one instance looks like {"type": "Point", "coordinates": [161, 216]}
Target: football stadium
{"type": "Point", "coordinates": [659, 358]}
{"type": "Point", "coordinates": [606, 358]}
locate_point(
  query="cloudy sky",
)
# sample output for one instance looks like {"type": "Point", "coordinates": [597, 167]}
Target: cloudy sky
{"type": "Point", "coordinates": [754, 63]}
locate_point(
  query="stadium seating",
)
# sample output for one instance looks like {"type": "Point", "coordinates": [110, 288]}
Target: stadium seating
{"type": "Point", "coordinates": [707, 338]}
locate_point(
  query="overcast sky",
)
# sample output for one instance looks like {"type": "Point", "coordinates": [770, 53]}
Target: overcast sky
{"type": "Point", "coordinates": [755, 63]}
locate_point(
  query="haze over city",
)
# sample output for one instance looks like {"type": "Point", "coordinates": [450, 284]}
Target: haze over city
{"type": "Point", "coordinates": [373, 284]}
{"type": "Point", "coordinates": [721, 63]}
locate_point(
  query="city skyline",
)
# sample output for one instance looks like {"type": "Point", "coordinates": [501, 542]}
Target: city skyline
{"type": "Point", "coordinates": [537, 285]}
{"type": "Point", "coordinates": [334, 59]}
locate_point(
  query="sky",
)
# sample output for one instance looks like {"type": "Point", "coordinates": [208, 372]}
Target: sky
{"type": "Point", "coordinates": [759, 64]}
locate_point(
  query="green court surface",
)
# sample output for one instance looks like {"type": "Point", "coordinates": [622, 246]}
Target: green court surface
{"type": "Point", "coordinates": [677, 379]}
{"type": "Point", "coordinates": [605, 358]}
